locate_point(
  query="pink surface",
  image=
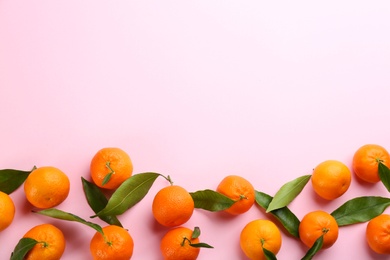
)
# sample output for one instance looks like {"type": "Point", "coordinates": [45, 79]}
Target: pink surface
{"type": "Point", "coordinates": [197, 90]}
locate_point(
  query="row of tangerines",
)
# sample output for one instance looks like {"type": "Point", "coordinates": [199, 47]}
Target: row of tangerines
{"type": "Point", "coordinates": [47, 187]}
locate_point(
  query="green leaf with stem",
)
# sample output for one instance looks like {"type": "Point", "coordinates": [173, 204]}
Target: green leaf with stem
{"type": "Point", "coordinates": [22, 248]}
{"type": "Point", "coordinates": [129, 193]}
{"type": "Point", "coordinates": [283, 215]}
{"type": "Point", "coordinates": [384, 175]}
{"type": "Point", "coordinates": [360, 209]}
{"type": "Point", "coordinates": [288, 192]}
{"type": "Point", "coordinates": [98, 201]}
{"type": "Point", "coordinates": [195, 233]}
{"type": "Point", "coordinates": [314, 249]}
{"type": "Point", "coordinates": [59, 214]}
{"type": "Point", "coordinates": [211, 200]}
{"type": "Point", "coordinates": [108, 175]}
{"type": "Point", "coordinates": [11, 179]}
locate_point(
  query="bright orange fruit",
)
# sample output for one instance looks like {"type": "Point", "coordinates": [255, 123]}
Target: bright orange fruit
{"type": "Point", "coordinates": [7, 210]}
{"type": "Point", "coordinates": [176, 242]}
{"type": "Point", "coordinates": [378, 234]}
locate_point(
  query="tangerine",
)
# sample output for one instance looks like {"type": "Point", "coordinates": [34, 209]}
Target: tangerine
{"type": "Point", "coordinates": [378, 234]}
{"type": "Point", "coordinates": [116, 244]}
{"type": "Point", "coordinates": [172, 206]}
{"type": "Point", "coordinates": [258, 234]}
{"type": "Point", "coordinates": [51, 243]}
{"type": "Point", "coordinates": [46, 187]}
{"type": "Point", "coordinates": [239, 189]}
{"type": "Point", "coordinates": [318, 223]}
{"type": "Point", "coordinates": [110, 167]}
{"type": "Point", "coordinates": [176, 244]}
{"type": "Point", "coordinates": [366, 159]}
{"type": "Point", "coordinates": [331, 179]}
{"type": "Point", "coordinates": [7, 210]}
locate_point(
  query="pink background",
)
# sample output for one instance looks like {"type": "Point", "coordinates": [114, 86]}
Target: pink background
{"type": "Point", "coordinates": [197, 90]}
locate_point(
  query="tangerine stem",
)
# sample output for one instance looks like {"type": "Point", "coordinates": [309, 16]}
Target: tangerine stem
{"type": "Point", "coordinates": [168, 178]}
{"type": "Point", "coordinates": [379, 160]}
{"type": "Point", "coordinates": [184, 240]}
{"type": "Point", "coordinates": [325, 230]}
{"type": "Point", "coordinates": [44, 243]}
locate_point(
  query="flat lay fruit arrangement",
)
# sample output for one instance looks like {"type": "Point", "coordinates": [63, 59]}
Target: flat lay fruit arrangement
{"type": "Point", "coordinates": [112, 188]}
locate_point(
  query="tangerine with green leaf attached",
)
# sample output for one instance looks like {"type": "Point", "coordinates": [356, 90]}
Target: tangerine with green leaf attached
{"type": "Point", "coordinates": [240, 190]}
{"type": "Point", "coordinates": [7, 210]}
{"type": "Point", "coordinates": [176, 244]}
{"type": "Point", "coordinates": [172, 206]}
{"type": "Point", "coordinates": [318, 223]}
{"type": "Point", "coordinates": [110, 167]}
{"type": "Point", "coordinates": [366, 159]}
{"type": "Point", "coordinates": [378, 234]}
{"type": "Point", "coordinates": [259, 234]}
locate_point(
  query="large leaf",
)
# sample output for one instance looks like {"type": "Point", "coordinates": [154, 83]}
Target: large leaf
{"type": "Point", "coordinates": [11, 179]}
{"type": "Point", "coordinates": [211, 200]}
{"type": "Point", "coordinates": [129, 193]}
{"type": "Point", "coordinates": [98, 201]}
{"type": "Point", "coordinates": [288, 192]}
{"type": "Point", "coordinates": [59, 214]}
{"type": "Point", "coordinates": [314, 249]}
{"type": "Point", "coordinates": [360, 209]}
{"type": "Point", "coordinates": [384, 175]}
{"type": "Point", "coordinates": [22, 248]}
{"type": "Point", "coordinates": [284, 215]}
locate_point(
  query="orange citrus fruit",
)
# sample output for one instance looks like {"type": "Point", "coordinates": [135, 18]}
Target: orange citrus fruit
{"type": "Point", "coordinates": [172, 206]}
{"type": "Point", "coordinates": [240, 190]}
{"type": "Point", "coordinates": [318, 223]}
{"type": "Point", "coordinates": [366, 159]}
{"type": "Point", "coordinates": [51, 242]}
{"type": "Point", "coordinates": [116, 244]}
{"type": "Point", "coordinates": [46, 187]}
{"type": "Point", "coordinates": [331, 179]}
{"type": "Point", "coordinates": [176, 245]}
{"type": "Point", "coordinates": [378, 234]}
{"type": "Point", "coordinates": [110, 167]}
{"type": "Point", "coordinates": [258, 234]}
{"type": "Point", "coordinates": [7, 210]}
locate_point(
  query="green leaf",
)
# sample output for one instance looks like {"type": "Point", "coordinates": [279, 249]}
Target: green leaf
{"type": "Point", "coordinates": [204, 245]}
{"type": "Point", "coordinates": [360, 209]}
{"type": "Point", "coordinates": [129, 193]}
{"type": "Point", "coordinates": [288, 192]}
{"type": "Point", "coordinates": [195, 233]}
{"type": "Point", "coordinates": [22, 248]}
{"type": "Point", "coordinates": [314, 249]}
{"type": "Point", "coordinates": [59, 214]}
{"type": "Point", "coordinates": [284, 215]}
{"type": "Point", "coordinates": [107, 178]}
{"type": "Point", "coordinates": [211, 200]}
{"type": "Point", "coordinates": [98, 201]}
{"type": "Point", "coordinates": [11, 179]}
{"type": "Point", "coordinates": [268, 254]}
{"type": "Point", "coordinates": [384, 175]}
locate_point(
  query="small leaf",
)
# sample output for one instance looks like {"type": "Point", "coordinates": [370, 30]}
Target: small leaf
{"type": "Point", "coordinates": [22, 248]}
{"type": "Point", "coordinates": [284, 215]}
{"type": "Point", "coordinates": [98, 201]}
{"type": "Point", "coordinates": [211, 200]}
{"type": "Point", "coordinates": [384, 175]}
{"type": "Point", "coordinates": [360, 209]}
{"type": "Point", "coordinates": [288, 192]}
{"type": "Point", "coordinates": [314, 249]}
{"type": "Point", "coordinates": [195, 233]}
{"type": "Point", "coordinates": [268, 254]}
{"type": "Point", "coordinates": [129, 193]}
{"type": "Point", "coordinates": [107, 178]}
{"type": "Point", "coordinates": [204, 245]}
{"type": "Point", "coordinates": [11, 179]}
{"type": "Point", "coordinates": [59, 214]}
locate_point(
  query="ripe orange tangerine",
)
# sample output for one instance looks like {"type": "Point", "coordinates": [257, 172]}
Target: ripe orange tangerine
{"type": "Point", "coordinates": [7, 210]}
{"type": "Point", "coordinates": [176, 242]}
{"type": "Point", "coordinates": [378, 234]}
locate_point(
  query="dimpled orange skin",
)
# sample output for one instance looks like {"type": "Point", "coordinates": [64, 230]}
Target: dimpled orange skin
{"type": "Point", "coordinates": [51, 243]}
{"type": "Point", "coordinates": [365, 162]}
{"type": "Point", "coordinates": [331, 179]}
{"type": "Point", "coordinates": [240, 190]}
{"type": "Point", "coordinates": [172, 206]}
{"type": "Point", "coordinates": [173, 246]}
{"type": "Point", "coordinates": [7, 210]}
{"type": "Point", "coordinates": [107, 160]}
{"type": "Point", "coordinates": [316, 223]}
{"type": "Point", "coordinates": [46, 187]}
{"type": "Point", "coordinates": [378, 234]}
{"type": "Point", "coordinates": [119, 244]}
{"type": "Point", "coordinates": [257, 232]}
